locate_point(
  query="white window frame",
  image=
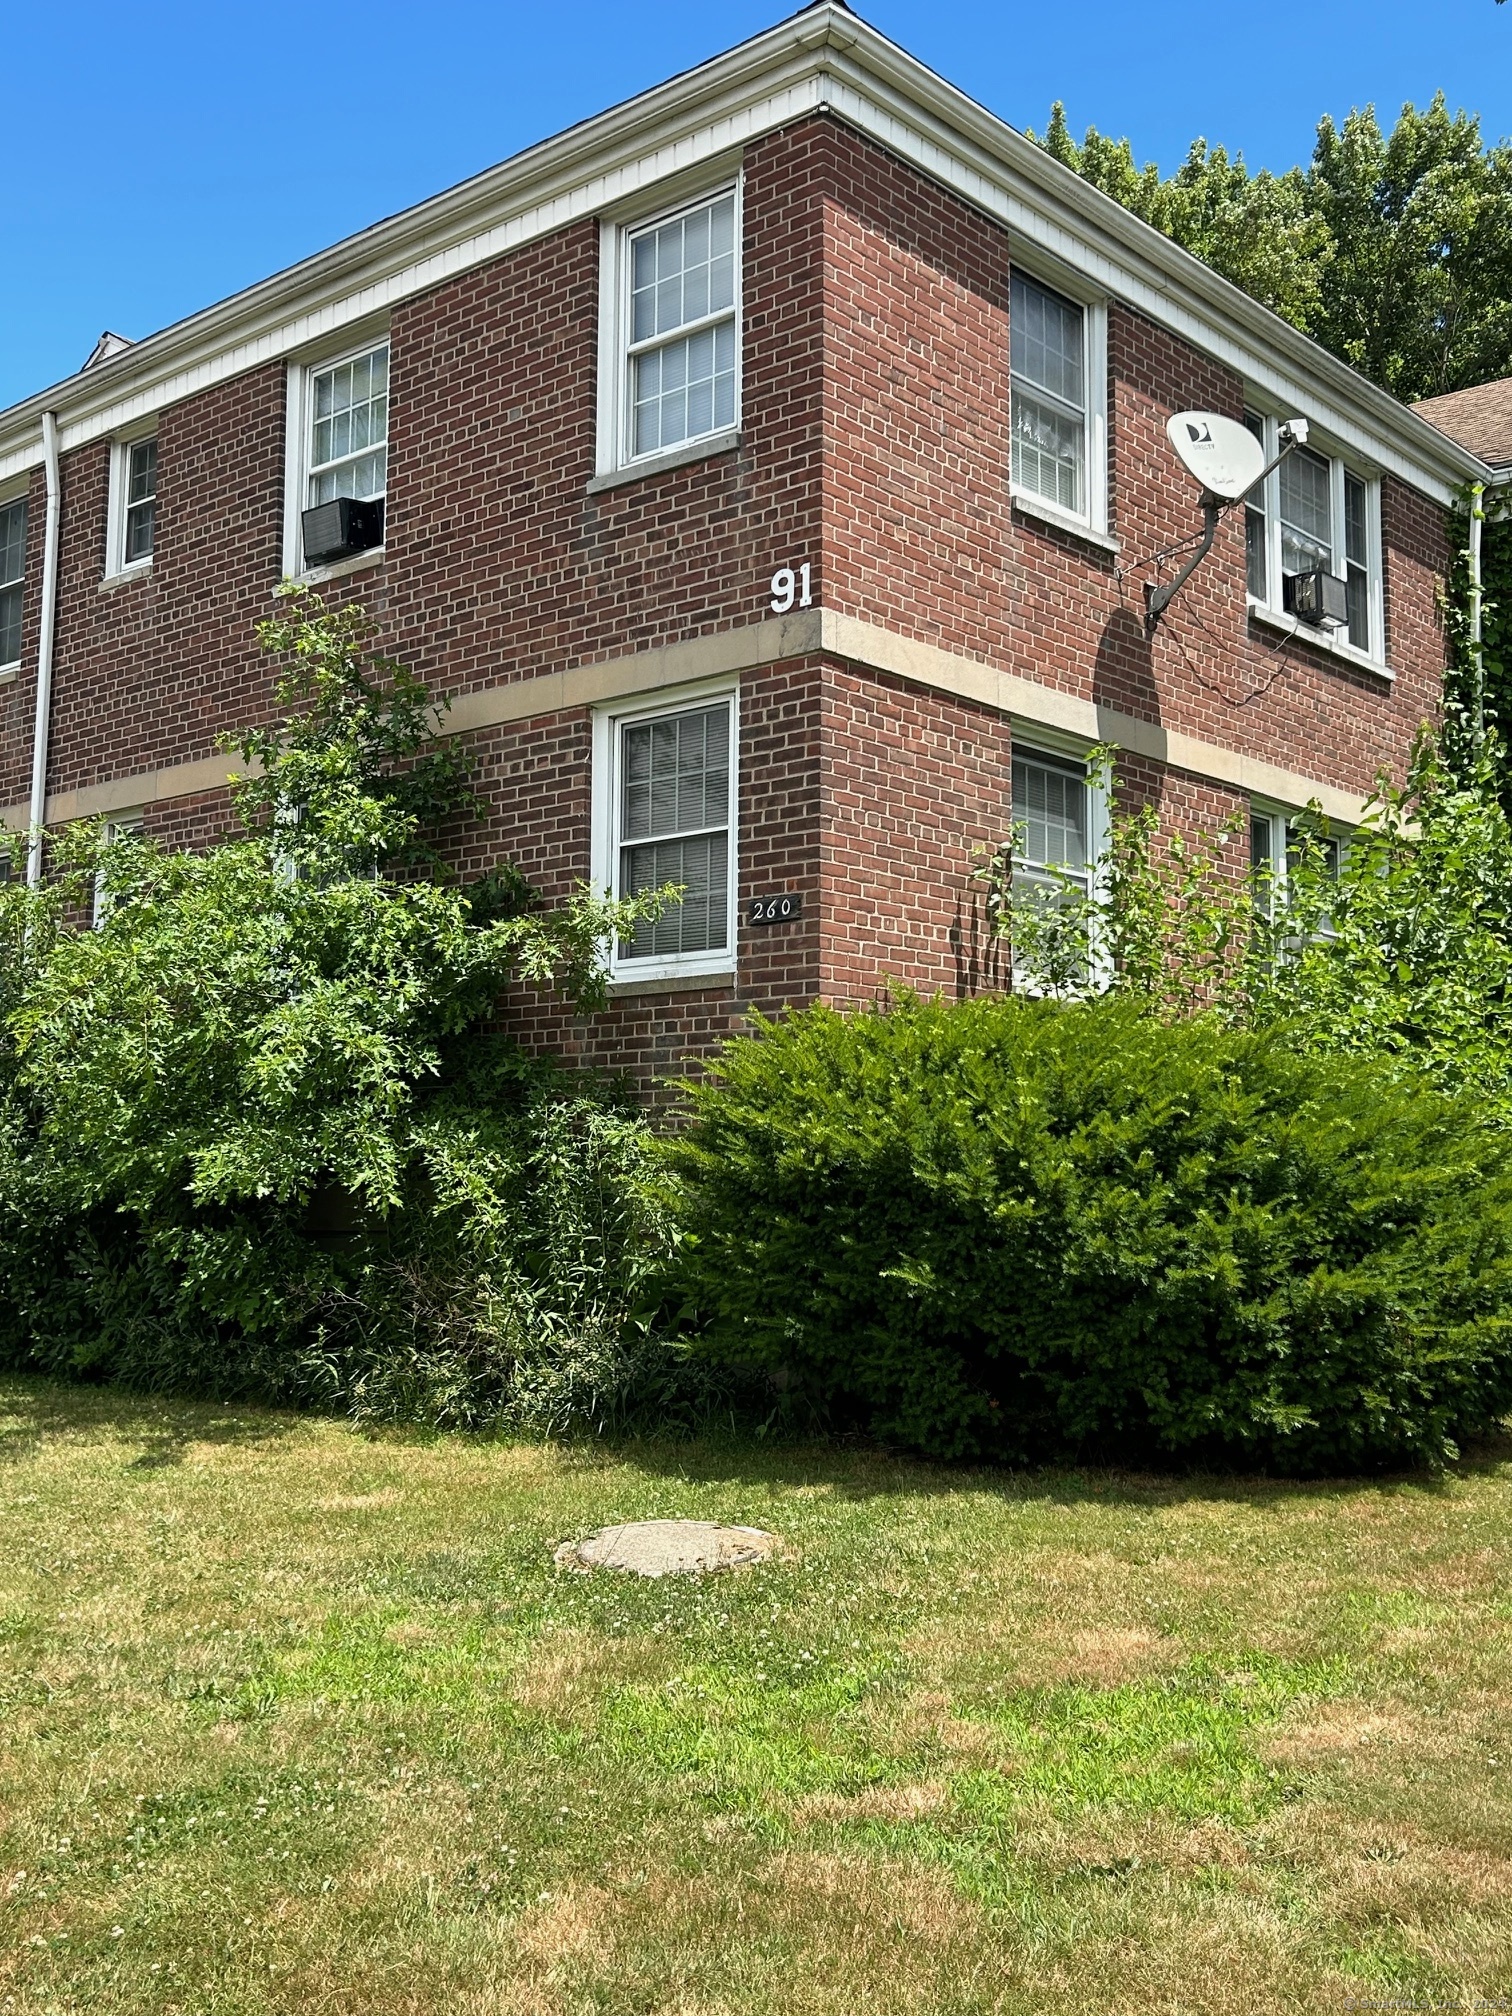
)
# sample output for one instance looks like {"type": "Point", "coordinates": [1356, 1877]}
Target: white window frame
{"type": "Point", "coordinates": [1281, 819]}
{"type": "Point", "coordinates": [116, 563]}
{"type": "Point", "coordinates": [608, 725]}
{"type": "Point", "coordinates": [1036, 744]}
{"type": "Point", "coordinates": [298, 416]}
{"type": "Point", "coordinates": [1094, 310]}
{"type": "Point", "coordinates": [11, 667]}
{"type": "Point", "coordinates": [1272, 607]}
{"type": "Point", "coordinates": [615, 377]}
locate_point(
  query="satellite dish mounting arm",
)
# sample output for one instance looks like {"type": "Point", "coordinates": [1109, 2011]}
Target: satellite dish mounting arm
{"type": "Point", "coordinates": [1159, 595]}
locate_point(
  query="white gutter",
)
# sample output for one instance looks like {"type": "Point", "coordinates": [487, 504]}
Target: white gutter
{"type": "Point", "coordinates": [43, 727]}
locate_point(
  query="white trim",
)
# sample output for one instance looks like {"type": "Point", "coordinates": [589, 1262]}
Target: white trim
{"type": "Point", "coordinates": [822, 57]}
{"type": "Point", "coordinates": [607, 724]}
{"type": "Point", "coordinates": [117, 567]}
{"type": "Point", "coordinates": [612, 451]}
{"type": "Point", "coordinates": [298, 378]}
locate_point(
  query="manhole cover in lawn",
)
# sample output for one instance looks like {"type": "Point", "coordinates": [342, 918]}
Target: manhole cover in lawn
{"type": "Point", "coordinates": [668, 1547]}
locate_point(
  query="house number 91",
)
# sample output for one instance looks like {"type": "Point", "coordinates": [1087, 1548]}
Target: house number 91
{"type": "Point", "coordinates": [789, 587]}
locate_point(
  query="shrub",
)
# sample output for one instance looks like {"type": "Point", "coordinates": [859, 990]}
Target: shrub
{"type": "Point", "coordinates": [255, 1135]}
{"type": "Point", "coordinates": [1010, 1228]}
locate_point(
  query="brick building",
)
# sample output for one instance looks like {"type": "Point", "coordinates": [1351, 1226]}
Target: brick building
{"type": "Point", "coordinates": [770, 470]}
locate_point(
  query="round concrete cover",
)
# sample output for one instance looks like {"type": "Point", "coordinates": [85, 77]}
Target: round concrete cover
{"type": "Point", "coordinates": [668, 1547]}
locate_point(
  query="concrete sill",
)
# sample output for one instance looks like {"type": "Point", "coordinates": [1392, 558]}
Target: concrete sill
{"type": "Point", "coordinates": [671, 983]}
{"type": "Point", "coordinates": [9, 674]}
{"type": "Point", "coordinates": [1029, 506]}
{"type": "Point", "coordinates": [313, 576]}
{"type": "Point", "coordinates": [141, 572]}
{"type": "Point", "coordinates": [1318, 640]}
{"type": "Point", "coordinates": [686, 451]}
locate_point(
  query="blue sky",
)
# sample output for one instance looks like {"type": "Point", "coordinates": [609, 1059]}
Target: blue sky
{"type": "Point", "coordinates": [163, 156]}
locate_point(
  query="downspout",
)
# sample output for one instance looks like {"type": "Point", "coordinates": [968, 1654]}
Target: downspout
{"type": "Point", "coordinates": [45, 649]}
{"type": "Point", "coordinates": [1477, 661]}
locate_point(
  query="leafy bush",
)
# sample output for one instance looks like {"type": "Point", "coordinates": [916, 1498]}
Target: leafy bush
{"type": "Point", "coordinates": [1020, 1229]}
{"type": "Point", "coordinates": [254, 1133]}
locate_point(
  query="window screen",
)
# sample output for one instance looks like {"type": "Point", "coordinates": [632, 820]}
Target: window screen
{"type": "Point", "coordinates": [1256, 558]}
{"type": "Point", "coordinates": [1049, 817]}
{"type": "Point", "coordinates": [141, 499]}
{"type": "Point", "coordinates": [1357, 561]}
{"type": "Point", "coordinates": [674, 826]}
{"type": "Point", "coordinates": [349, 428]}
{"type": "Point", "coordinates": [683, 333]}
{"type": "Point", "coordinates": [12, 577]}
{"type": "Point", "coordinates": [1048, 342]}
{"type": "Point", "coordinates": [1306, 513]}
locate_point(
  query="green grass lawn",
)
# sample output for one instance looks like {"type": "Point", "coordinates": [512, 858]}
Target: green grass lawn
{"type": "Point", "coordinates": [301, 1720]}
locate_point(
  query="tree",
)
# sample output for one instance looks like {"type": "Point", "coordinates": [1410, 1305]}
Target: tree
{"type": "Point", "coordinates": [1394, 252]}
{"type": "Point", "coordinates": [287, 1032]}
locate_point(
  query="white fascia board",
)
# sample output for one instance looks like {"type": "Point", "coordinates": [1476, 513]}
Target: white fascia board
{"type": "Point", "coordinates": [824, 57]}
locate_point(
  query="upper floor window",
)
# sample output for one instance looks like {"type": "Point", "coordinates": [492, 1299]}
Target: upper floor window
{"type": "Point", "coordinates": [337, 448]}
{"type": "Point", "coordinates": [665, 812]}
{"type": "Point", "coordinates": [349, 428]}
{"type": "Point", "coordinates": [133, 504]}
{"type": "Point", "coordinates": [12, 580]}
{"type": "Point", "coordinates": [671, 309]}
{"type": "Point", "coordinates": [1058, 396]}
{"type": "Point", "coordinates": [1315, 512]}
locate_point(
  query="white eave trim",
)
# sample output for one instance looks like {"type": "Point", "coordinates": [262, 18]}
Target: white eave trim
{"type": "Point", "coordinates": [824, 57]}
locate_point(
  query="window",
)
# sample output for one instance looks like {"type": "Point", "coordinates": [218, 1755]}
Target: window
{"type": "Point", "coordinates": [1051, 821]}
{"type": "Point", "coordinates": [349, 428]}
{"type": "Point", "coordinates": [1049, 389]}
{"type": "Point", "coordinates": [1314, 512]}
{"type": "Point", "coordinates": [12, 581]}
{"type": "Point", "coordinates": [664, 809]}
{"type": "Point", "coordinates": [672, 315]}
{"type": "Point", "coordinates": [133, 505]}
{"type": "Point", "coordinates": [1278, 841]}
{"type": "Point", "coordinates": [337, 438]}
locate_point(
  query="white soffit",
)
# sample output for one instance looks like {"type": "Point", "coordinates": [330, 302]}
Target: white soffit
{"type": "Point", "coordinates": [824, 57]}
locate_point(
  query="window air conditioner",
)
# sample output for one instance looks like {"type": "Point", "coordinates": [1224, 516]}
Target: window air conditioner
{"type": "Point", "coordinates": [1318, 597]}
{"type": "Point", "coordinates": [345, 526]}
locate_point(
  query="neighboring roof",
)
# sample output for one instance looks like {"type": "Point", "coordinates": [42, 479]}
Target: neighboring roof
{"type": "Point", "coordinates": [824, 58]}
{"type": "Point", "coordinates": [109, 345]}
{"type": "Point", "coordinates": [1479, 418]}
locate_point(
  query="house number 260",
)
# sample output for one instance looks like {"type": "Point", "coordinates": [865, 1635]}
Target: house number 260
{"type": "Point", "coordinates": [789, 587]}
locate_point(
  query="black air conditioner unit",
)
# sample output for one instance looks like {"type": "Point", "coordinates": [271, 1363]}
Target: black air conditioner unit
{"type": "Point", "coordinates": [345, 526]}
{"type": "Point", "coordinates": [1317, 597]}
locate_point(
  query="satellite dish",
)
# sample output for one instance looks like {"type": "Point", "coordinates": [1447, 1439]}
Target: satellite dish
{"type": "Point", "coordinates": [1221, 453]}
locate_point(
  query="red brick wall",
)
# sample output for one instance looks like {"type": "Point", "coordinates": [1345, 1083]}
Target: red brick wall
{"type": "Point", "coordinates": [920, 534]}
{"type": "Point", "coordinates": [150, 671]}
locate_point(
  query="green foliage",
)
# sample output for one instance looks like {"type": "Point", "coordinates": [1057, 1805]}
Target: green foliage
{"type": "Point", "coordinates": [1393, 250]}
{"type": "Point", "coordinates": [253, 1133]}
{"type": "Point", "coordinates": [1016, 1228]}
{"type": "Point", "coordinates": [1398, 945]}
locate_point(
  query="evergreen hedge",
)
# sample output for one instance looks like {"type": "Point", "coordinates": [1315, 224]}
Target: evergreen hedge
{"type": "Point", "coordinates": [1014, 1229]}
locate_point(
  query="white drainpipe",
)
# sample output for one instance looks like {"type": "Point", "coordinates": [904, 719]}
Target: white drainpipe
{"type": "Point", "coordinates": [45, 648]}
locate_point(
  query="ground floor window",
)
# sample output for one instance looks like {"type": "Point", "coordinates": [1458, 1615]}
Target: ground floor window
{"type": "Point", "coordinates": [664, 791]}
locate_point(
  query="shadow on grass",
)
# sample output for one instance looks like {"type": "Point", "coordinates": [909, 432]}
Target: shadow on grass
{"type": "Point", "coordinates": [35, 1411]}
{"type": "Point", "coordinates": [857, 1471]}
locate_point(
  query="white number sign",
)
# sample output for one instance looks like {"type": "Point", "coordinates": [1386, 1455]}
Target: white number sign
{"type": "Point", "coordinates": [790, 586]}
